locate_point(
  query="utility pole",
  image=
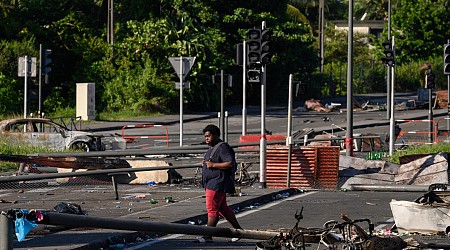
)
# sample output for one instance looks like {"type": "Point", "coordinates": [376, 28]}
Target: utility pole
{"type": "Point", "coordinates": [321, 33]}
{"type": "Point", "coordinates": [349, 130]}
{"type": "Point", "coordinates": [388, 74]}
{"type": "Point", "coordinates": [223, 114]}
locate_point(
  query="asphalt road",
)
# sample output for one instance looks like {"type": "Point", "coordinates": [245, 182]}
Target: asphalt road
{"type": "Point", "coordinates": [318, 208]}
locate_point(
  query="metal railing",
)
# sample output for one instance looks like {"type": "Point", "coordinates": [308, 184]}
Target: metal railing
{"type": "Point", "coordinates": [131, 138]}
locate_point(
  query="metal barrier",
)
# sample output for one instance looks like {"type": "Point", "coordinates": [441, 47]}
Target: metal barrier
{"type": "Point", "coordinates": [131, 138]}
{"type": "Point", "coordinates": [405, 142]}
{"type": "Point", "coordinates": [440, 132]}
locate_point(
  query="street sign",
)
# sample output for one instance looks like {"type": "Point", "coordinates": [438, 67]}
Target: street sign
{"type": "Point", "coordinates": [186, 85]}
{"type": "Point", "coordinates": [187, 65]}
{"type": "Point", "coordinates": [21, 67]}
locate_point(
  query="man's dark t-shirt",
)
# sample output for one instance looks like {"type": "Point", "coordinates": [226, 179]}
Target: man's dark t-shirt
{"type": "Point", "coordinates": [219, 179]}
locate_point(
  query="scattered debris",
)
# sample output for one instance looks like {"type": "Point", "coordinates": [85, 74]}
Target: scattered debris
{"type": "Point", "coordinates": [5, 201]}
{"type": "Point", "coordinates": [428, 214]}
{"type": "Point", "coordinates": [69, 208]}
{"type": "Point", "coordinates": [316, 106]}
{"type": "Point", "coordinates": [333, 235]}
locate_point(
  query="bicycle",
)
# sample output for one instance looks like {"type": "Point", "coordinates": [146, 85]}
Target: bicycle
{"type": "Point", "coordinates": [333, 235]}
{"type": "Point", "coordinates": [244, 177]}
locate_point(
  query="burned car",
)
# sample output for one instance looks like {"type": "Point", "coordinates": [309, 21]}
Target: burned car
{"type": "Point", "coordinates": [43, 132]}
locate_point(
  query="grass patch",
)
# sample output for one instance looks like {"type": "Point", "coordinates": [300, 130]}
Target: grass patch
{"type": "Point", "coordinates": [14, 148]}
{"type": "Point", "coordinates": [422, 149]}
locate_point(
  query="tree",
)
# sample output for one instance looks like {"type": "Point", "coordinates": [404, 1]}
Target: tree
{"type": "Point", "coordinates": [420, 28]}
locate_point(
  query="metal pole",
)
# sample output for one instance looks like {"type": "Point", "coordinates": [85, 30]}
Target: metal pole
{"type": "Point", "coordinates": [392, 106]}
{"type": "Point", "coordinates": [6, 232]}
{"type": "Point", "coordinates": [53, 218]}
{"type": "Point", "coordinates": [262, 142]}
{"type": "Point", "coordinates": [430, 115]}
{"type": "Point", "coordinates": [25, 93]}
{"type": "Point", "coordinates": [226, 127]}
{"type": "Point", "coordinates": [349, 133]}
{"type": "Point", "coordinates": [41, 62]}
{"type": "Point", "coordinates": [321, 31]}
{"type": "Point", "coordinates": [222, 115]}
{"type": "Point", "coordinates": [388, 74]}
{"type": "Point", "coordinates": [388, 188]}
{"type": "Point", "coordinates": [7, 179]}
{"type": "Point", "coordinates": [289, 131]}
{"type": "Point", "coordinates": [244, 88]}
{"type": "Point", "coordinates": [448, 100]}
{"type": "Point", "coordinates": [181, 100]}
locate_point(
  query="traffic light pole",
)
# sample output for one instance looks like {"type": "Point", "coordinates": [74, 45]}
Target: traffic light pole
{"type": "Point", "coordinates": [263, 143]}
{"type": "Point", "coordinates": [388, 75]}
{"type": "Point", "coordinates": [349, 130]}
{"type": "Point", "coordinates": [391, 105]}
{"type": "Point", "coordinates": [222, 112]}
{"type": "Point", "coordinates": [244, 88]}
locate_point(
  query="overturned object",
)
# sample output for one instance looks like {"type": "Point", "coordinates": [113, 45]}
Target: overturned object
{"type": "Point", "coordinates": [429, 214]}
{"type": "Point", "coordinates": [316, 106]}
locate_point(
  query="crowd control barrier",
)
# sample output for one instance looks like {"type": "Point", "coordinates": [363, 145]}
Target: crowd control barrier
{"type": "Point", "coordinates": [130, 138]}
{"type": "Point", "coordinates": [413, 142]}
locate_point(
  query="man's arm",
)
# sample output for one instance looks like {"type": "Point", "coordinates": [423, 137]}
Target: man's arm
{"type": "Point", "coordinates": [219, 165]}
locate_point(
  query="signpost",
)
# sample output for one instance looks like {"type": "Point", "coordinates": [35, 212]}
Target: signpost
{"type": "Point", "coordinates": [26, 68]}
{"type": "Point", "coordinates": [182, 66]}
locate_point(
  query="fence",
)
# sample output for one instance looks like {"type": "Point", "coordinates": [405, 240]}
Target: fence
{"type": "Point", "coordinates": [407, 138]}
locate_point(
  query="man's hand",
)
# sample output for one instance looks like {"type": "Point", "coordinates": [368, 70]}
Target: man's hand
{"type": "Point", "coordinates": [209, 164]}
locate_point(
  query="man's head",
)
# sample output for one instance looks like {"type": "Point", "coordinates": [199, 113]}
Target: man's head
{"type": "Point", "coordinates": [211, 133]}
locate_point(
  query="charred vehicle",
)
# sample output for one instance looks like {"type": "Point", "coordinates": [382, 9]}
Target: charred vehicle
{"type": "Point", "coordinates": [43, 132]}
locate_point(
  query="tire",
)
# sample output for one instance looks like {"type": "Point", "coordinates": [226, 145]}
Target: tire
{"type": "Point", "coordinates": [80, 146]}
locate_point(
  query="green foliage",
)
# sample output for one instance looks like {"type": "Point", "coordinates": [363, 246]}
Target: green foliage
{"type": "Point", "coordinates": [422, 149]}
{"type": "Point", "coordinates": [420, 28]}
{"type": "Point", "coordinates": [8, 148]}
{"type": "Point", "coordinates": [134, 73]}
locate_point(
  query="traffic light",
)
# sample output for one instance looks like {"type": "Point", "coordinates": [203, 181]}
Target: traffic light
{"type": "Point", "coordinates": [447, 59]}
{"type": "Point", "coordinates": [46, 61]}
{"type": "Point", "coordinates": [254, 47]}
{"type": "Point", "coordinates": [254, 75]}
{"type": "Point", "coordinates": [429, 79]}
{"type": "Point", "coordinates": [265, 46]}
{"type": "Point", "coordinates": [389, 58]}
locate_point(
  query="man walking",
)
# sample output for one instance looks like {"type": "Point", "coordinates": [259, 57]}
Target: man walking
{"type": "Point", "coordinates": [218, 170]}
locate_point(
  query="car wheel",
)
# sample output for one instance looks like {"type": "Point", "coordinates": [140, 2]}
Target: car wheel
{"type": "Point", "coordinates": [80, 146]}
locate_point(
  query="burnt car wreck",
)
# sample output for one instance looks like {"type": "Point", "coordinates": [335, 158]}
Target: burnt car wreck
{"type": "Point", "coordinates": [41, 132]}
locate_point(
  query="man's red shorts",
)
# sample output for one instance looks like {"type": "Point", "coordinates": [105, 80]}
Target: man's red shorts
{"type": "Point", "coordinates": [216, 204]}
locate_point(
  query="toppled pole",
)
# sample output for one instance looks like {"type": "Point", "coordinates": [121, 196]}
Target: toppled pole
{"type": "Point", "coordinates": [6, 232]}
{"type": "Point", "coordinates": [5, 179]}
{"type": "Point", "coordinates": [68, 162]}
{"type": "Point", "coordinates": [388, 188]}
{"type": "Point", "coordinates": [53, 218]}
